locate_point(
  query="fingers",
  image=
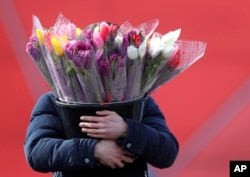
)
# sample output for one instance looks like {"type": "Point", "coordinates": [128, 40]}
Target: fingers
{"type": "Point", "coordinates": [90, 125]}
{"type": "Point", "coordinates": [120, 163]}
{"type": "Point", "coordinates": [90, 118]}
{"type": "Point", "coordinates": [123, 160]}
{"type": "Point", "coordinates": [127, 159]}
{"type": "Point", "coordinates": [93, 129]}
{"type": "Point", "coordinates": [109, 153]}
{"type": "Point", "coordinates": [128, 153]}
{"type": "Point", "coordinates": [107, 124]}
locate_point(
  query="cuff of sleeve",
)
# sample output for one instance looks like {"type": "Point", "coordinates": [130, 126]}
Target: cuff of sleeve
{"type": "Point", "coordinates": [133, 142]}
{"type": "Point", "coordinates": [88, 156]}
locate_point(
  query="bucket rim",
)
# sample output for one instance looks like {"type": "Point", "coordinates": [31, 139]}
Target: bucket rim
{"type": "Point", "coordinates": [63, 103]}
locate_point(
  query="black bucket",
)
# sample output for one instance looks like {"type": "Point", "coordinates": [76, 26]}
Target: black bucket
{"type": "Point", "coordinates": [72, 112]}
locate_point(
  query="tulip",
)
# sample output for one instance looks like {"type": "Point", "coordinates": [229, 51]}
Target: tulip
{"type": "Point", "coordinates": [40, 36]}
{"type": "Point", "coordinates": [155, 47]}
{"type": "Point", "coordinates": [97, 29]}
{"type": "Point", "coordinates": [142, 49]}
{"type": "Point", "coordinates": [78, 32]}
{"type": "Point", "coordinates": [57, 46]}
{"type": "Point", "coordinates": [132, 52]}
{"type": "Point", "coordinates": [113, 57]}
{"type": "Point", "coordinates": [98, 40]}
{"type": "Point", "coordinates": [33, 38]}
{"type": "Point", "coordinates": [124, 45]}
{"type": "Point", "coordinates": [167, 52]}
{"type": "Point", "coordinates": [175, 60]}
{"type": "Point", "coordinates": [113, 29]}
{"type": "Point", "coordinates": [79, 53]}
{"type": "Point", "coordinates": [137, 39]}
{"type": "Point", "coordinates": [104, 30]}
{"type": "Point", "coordinates": [33, 51]}
{"type": "Point", "coordinates": [104, 67]}
{"type": "Point", "coordinates": [47, 37]}
{"type": "Point", "coordinates": [83, 58]}
{"type": "Point", "coordinates": [121, 64]}
{"type": "Point", "coordinates": [170, 38]}
{"type": "Point", "coordinates": [118, 41]}
{"type": "Point", "coordinates": [63, 40]}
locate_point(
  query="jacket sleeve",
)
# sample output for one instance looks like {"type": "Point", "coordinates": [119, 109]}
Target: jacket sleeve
{"type": "Point", "coordinates": [46, 148]}
{"type": "Point", "coordinates": [151, 139]}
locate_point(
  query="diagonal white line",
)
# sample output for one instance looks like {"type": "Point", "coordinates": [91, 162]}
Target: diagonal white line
{"type": "Point", "coordinates": [18, 40]}
{"type": "Point", "coordinates": [210, 129]}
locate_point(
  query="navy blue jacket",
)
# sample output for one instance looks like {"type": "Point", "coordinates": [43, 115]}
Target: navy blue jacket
{"type": "Point", "coordinates": [47, 149]}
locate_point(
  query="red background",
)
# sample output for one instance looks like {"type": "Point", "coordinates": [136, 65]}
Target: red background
{"type": "Point", "coordinates": [207, 106]}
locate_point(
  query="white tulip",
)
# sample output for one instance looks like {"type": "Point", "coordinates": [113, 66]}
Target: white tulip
{"type": "Point", "coordinates": [142, 49]}
{"type": "Point", "coordinates": [118, 41]}
{"type": "Point", "coordinates": [132, 52]}
{"type": "Point", "coordinates": [155, 46]}
{"type": "Point", "coordinates": [167, 52]}
{"type": "Point", "coordinates": [170, 38]}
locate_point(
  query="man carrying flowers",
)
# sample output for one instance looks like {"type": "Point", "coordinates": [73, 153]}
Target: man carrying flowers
{"type": "Point", "coordinates": [117, 146]}
{"type": "Point", "coordinates": [103, 64]}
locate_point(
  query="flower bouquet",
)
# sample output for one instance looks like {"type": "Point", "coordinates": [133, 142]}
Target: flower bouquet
{"type": "Point", "coordinates": [105, 65]}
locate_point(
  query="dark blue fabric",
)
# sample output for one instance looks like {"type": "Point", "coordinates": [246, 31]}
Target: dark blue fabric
{"type": "Point", "coordinates": [47, 149]}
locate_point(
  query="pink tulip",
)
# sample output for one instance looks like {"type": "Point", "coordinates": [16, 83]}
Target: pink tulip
{"type": "Point", "coordinates": [104, 30]}
{"type": "Point", "coordinates": [98, 40]}
{"type": "Point", "coordinates": [113, 29]}
{"type": "Point", "coordinates": [175, 60]}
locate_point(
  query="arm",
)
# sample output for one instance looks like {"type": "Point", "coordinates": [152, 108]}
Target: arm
{"type": "Point", "coordinates": [46, 148]}
{"type": "Point", "coordinates": [151, 139]}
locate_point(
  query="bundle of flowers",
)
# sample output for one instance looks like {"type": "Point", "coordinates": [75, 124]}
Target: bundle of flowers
{"type": "Point", "coordinates": [105, 62]}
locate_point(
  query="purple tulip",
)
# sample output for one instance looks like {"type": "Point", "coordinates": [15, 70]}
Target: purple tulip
{"type": "Point", "coordinates": [121, 66]}
{"type": "Point", "coordinates": [33, 38]}
{"type": "Point", "coordinates": [85, 57]}
{"type": "Point", "coordinates": [121, 62]}
{"type": "Point", "coordinates": [125, 44]}
{"type": "Point", "coordinates": [114, 57]}
{"type": "Point", "coordinates": [88, 36]}
{"type": "Point", "coordinates": [80, 53]}
{"type": "Point", "coordinates": [33, 51]}
{"type": "Point", "coordinates": [104, 67]}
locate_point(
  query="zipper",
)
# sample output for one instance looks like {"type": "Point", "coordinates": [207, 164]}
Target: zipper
{"type": "Point", "coordinates": [57, 174]}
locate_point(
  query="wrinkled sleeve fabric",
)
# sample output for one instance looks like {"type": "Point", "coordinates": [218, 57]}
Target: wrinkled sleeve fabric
{"type": "Point", "coordinates": [151, 139]}
{"type": "Point", "coordinates": [46, 148]}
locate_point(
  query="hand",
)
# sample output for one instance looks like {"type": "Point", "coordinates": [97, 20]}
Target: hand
{"type": "Point", "coordinates": [106, 125]}
{"type": "Point", "coordinates": [108, 153]}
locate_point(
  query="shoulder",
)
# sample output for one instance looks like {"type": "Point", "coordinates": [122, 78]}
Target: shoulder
{"type": "Point", "coordinates": [151, 107]}
{"type": "Point", "coordinates": [150, 102]}
{"type": "Point", "coordinates": [45, 103]}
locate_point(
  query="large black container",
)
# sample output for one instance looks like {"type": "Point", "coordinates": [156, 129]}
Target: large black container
{"type": "Point", "coordinates": [132, 109]}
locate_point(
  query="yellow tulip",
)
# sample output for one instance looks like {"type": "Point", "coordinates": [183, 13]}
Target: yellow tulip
{"type": "Point", "coordinates": [97, 29]}
{"type": "Point", "coordinates": [78, 31]}
{"type": "Point", "coordinates": [40, 36]}
{"type": "Point", "coordinates": [63, 39]}
{"type": "Point", "coordinates": [57, 46]}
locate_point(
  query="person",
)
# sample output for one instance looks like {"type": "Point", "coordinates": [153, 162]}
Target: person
{"type": "Point", "coordinates": [116, 147]}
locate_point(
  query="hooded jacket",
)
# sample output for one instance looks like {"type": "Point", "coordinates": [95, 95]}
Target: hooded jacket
{"type": "Point", "coordinates": [47, 149]}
